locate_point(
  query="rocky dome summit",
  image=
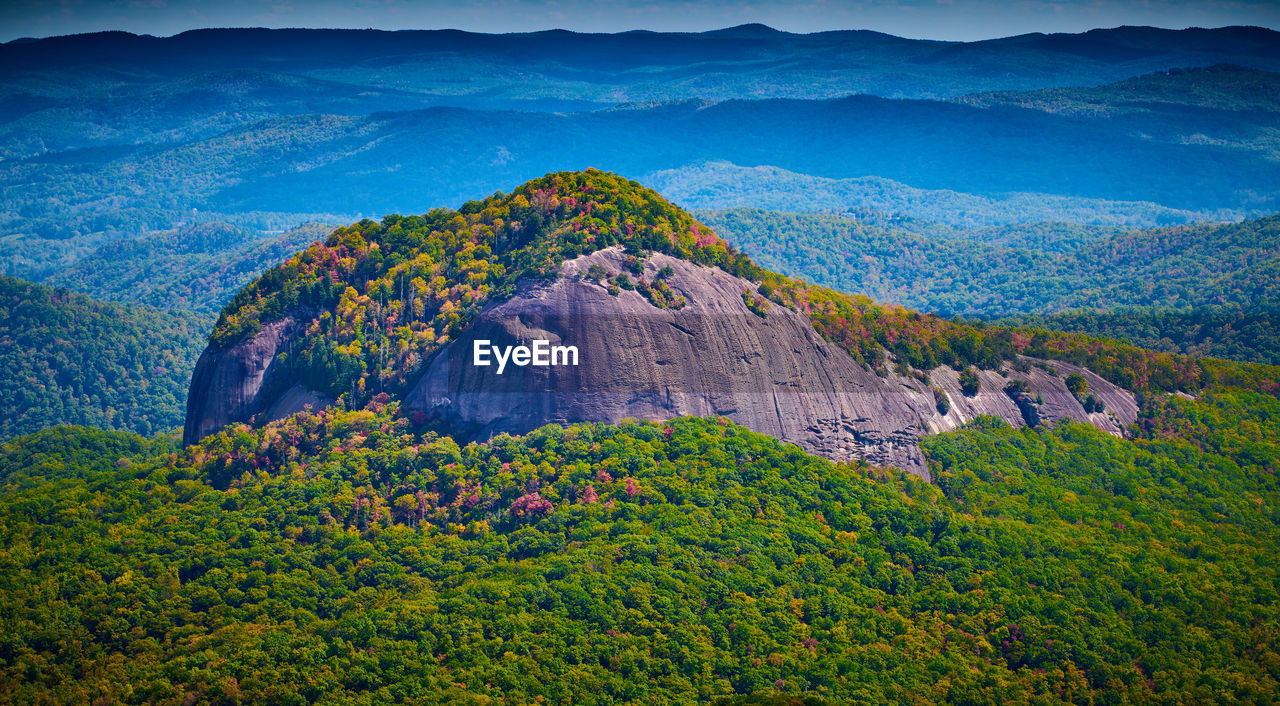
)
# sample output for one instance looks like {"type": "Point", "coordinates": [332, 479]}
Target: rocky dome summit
{"type": "Point", "coordinates": [662, 317]}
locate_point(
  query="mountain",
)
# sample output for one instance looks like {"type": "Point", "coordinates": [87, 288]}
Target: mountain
{"type": "Point", "coordinates": [354, 164]}
{"type": "Point", "coordinates": [1204, 290]}
{"type": "Point", "coordinates": [1224, 90]}
{"type": "Point", "coordinates": [109, 88]}
{"type": "Point", "coordinates": [665, 319]}
{"type": "Point", "coordinates": [721, 185]}
{"type": "Point", "coordinates": [316, 168]}
{"type": "Point", "coordinates": [1248, 333]}
{"type": "Point", "coordinates": [196, 267]}
{"type": "Point", "coordinates": [1223, 105]}
{"type": "Point", "coordinates": [68, 359]}
{"type": "Point", "coordinates": [1012, 270]}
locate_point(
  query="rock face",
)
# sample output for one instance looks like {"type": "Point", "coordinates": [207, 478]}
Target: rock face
{"type": "Point", "coordinates": [773, 374]}
{"type": "Point", "coordinates": [1048, 397]}
{"type": "Point", "coordinates": [231, 384]}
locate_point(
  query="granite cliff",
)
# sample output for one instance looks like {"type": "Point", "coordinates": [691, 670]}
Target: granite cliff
{"type": "Point", "coordinates": [242, 383]}
{"type": "Point", "coordinates": [706, 344]}
{"type": "Point", "coordinates": [772, 373]}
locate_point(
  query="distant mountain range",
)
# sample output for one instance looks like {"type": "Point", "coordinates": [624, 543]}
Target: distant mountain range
{"type": "Point", "coordinates": [1213, 161]}
{"type": "Point", "coordinates": [723, 185]}
{"type": "Point", "coordinates": [111, 136]}
{"type": "Point", "coordinates": [358, 71]}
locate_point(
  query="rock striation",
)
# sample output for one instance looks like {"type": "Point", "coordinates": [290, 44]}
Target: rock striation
{"type": "Point", "coordinates": [773, 374]}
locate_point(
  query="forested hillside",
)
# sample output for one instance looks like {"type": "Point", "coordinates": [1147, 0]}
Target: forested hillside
{"type": "Point", "coordinates": [329, 163]}
{"type": "Point", "coordinates": [1201, 290]}
{"type": "Point", "coordinates": [1223, 104]}
{"type": "Point", "coordinates": [347, 556]}
{"type": "Point", "coordinates": [719, 185]}
{"type": "Point", "coordinates": [197, 267]}
{"type": "Point", "coordinates": [1223, 87]}
{"type": "Point", "coordinates": [1017, 270]}
{"type": "Point", "coordinates": [1249, 333]}
{"type": "Point", "coordinates": [67, 359]}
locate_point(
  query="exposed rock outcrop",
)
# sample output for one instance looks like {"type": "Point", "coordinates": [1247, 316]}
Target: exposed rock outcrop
{"type": "Point", "coordinates": [1046, 390]}
{"type": "Point", "coordinates": [238, 383]}
{"type": "Point", "coordinates": [771, 373]}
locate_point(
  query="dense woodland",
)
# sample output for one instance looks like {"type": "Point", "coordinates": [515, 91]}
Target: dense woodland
{"type": "Point", "coordinates": [1237, 333]}
{"type": "Point", "coordinates": [356, 555]}
{"type": "Point", "coordinates": [1206, 289]}
{"type": "Point", "coordinates": [1026, 269]}
{"type": "Point", "coordinates": [347, 556]}
{"type": "Point", "coordinates": [67, 359]}
{"type": "Point", "coordinates": [197, 267]}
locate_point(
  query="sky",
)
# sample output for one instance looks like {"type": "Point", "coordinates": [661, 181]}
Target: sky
{"type": "Point", "coordinates": [965, 20]}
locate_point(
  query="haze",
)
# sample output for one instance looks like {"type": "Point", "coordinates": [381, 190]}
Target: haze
{"type": "Point", "coordinates": [965, 20]}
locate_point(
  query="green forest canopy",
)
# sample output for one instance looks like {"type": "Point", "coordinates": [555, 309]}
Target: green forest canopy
{"type": "Point", "coordinates": [1027, 269]}
{"type": "Point", "coordinates": [347, 557]}
{"type": "Point", "coordinates": [68, 359]}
